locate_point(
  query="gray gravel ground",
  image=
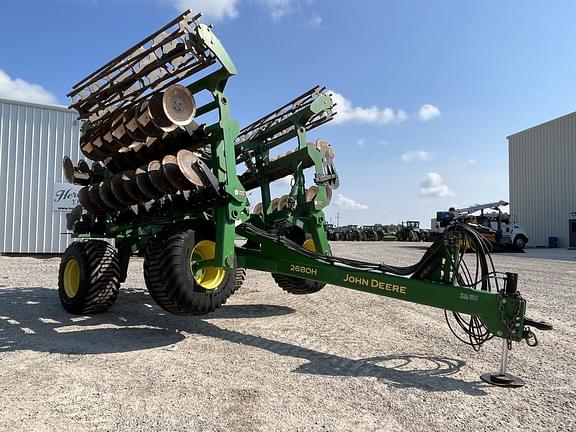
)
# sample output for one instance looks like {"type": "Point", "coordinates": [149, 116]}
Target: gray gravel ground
{"type": "Point", "coordinates": [338, 360]}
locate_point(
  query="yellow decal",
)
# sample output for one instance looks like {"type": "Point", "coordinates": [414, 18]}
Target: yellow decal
{"type": "Point", "coordinates": [375, 283]}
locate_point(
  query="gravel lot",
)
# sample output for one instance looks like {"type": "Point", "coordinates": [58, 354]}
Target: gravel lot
{"type": "Point", "coordinates": [338, 360]}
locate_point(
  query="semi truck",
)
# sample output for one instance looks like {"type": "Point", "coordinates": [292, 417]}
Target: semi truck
{"type": "Point", "coordinates": [499, 228]}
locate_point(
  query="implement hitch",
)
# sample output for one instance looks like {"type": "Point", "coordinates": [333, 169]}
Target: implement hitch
{"type": "Point", "coordinates": [455, 274]}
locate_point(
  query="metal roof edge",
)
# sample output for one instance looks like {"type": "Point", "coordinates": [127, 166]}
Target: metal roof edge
{"type": "Point", "coordinates": [38, 105]}
{"type": "Point", "coordinates": [565, 116]}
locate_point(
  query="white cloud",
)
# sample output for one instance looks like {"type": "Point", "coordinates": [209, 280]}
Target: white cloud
{"type": "Point", "coordinates": [211, 9]}
{"type": "Point", "coordinates": [278, 9]}
{"type": "Point", "coordinates": [349, 113]}
{"type": "Point", "coordinates": [462, 163]}
{"type": "Point", "coordinates": [415, 155]}
{"type": "Point", "coordinates": [433, 186]}
{"type": "Point", "coordinates": [218, 10]}
{"type": "Point", "coordinates": [428, 112]}
{"type": "Point", "coordinates": [24, 91]}
{"type": "Point", "coordinates": [346, 203]}
{"type": "Point", "coordinates": [315, 21]}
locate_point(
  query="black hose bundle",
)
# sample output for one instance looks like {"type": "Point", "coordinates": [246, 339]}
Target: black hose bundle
{"type": "Point", "coordinates": [475, 273]}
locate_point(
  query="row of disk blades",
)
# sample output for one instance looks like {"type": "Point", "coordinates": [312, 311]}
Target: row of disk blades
{"type": "Point", "coordinates": [183, 171]}
{"type": "Point", "coordinates": [124, 136]}
{"type": "Point", "coordinates": [286, 201]}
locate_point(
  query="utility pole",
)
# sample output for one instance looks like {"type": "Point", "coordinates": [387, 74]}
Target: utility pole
{"type": "Point", "coordinates": [337, 219]}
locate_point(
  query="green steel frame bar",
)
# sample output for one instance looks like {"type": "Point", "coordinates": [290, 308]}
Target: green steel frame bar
{"type": "Point", "coordinates": [494, 309]}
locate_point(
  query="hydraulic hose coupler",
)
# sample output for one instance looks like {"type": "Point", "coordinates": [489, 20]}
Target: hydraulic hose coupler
{"type": "Point", "coordinates": [511, 283]}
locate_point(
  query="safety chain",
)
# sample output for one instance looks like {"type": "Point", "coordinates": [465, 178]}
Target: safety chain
{"type": "Point", "coordinates": [511, 325]}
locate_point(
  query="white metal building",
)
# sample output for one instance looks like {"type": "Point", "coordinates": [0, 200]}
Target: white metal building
{"type": "Point", "coordinates": [543, 181]}
{"type": "Point", "coordinates": [33, 140]}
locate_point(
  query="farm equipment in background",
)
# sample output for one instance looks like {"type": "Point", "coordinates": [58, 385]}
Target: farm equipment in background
{"type": "Point", "coordinates": [164, 184]}
{"type": "Point", "coordinates": [410, 231]}
{"type": "Point", "coordinates": [496, 227]}
{"type": "Point", "coordinates": [359, 233]}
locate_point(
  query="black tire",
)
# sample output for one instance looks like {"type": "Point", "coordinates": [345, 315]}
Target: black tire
{"type": "Point", "coordinates": [520, 242]}
{"type": "Point", "coordinates": [169, 278]}
{"type": "Point", "coordinates": [89, 277]}
{"type": "Point", "coordinates": [292, 284]}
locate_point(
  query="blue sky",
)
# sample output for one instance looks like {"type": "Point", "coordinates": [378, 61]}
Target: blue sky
{"type": "Point", "coordinates": [428, 90]}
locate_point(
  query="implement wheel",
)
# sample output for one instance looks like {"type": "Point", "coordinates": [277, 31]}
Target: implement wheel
{"type": "Point", "coordinates": [292, 284]}
{"type": "Point", "coordinates": [171, 280]}
{"type": "Point", "coordinates": [89, 277]}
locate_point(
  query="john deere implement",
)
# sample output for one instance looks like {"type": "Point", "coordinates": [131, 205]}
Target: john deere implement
{"type": "Point", "coordinates": [164, 182]}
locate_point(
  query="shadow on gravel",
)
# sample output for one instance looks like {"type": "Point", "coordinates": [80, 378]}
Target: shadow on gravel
{"type": "Point", "coordinates": [32, 319]}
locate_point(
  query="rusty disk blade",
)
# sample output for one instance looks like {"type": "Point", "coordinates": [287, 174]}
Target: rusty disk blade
{"type": "Point", "coordinates": [157, 178]}
{"type": "Point", "coordinates": [129, 182]}
{"type": "Point", "coordinates": [119, 131]}
{"type": "Point", "coordinates": [117, 185]}
{"type": "Point", "coordinates": [283, 202]}
{"type": "Point", "coordinates": [108, 197]}
{"type": "Point", "coordinates": [173, 174]}
{"type": "Point", "coordinates": [68, 168]}
{"type": "Point", "coordinates": [131, 125]}
{"type": "Point", "coordinates": [87, 203]}
{"type": "Point", "coordinates": [145, 124]}
{"type": "Point", "coordinates": [108, 142]}
{"type": "Point", "coordinates": [98, 169]}
{"type": "Point", "coordinates": [84, 167]}
{"type": "Point", "coordinates": [311, 193]}
{"type": "Point", "coordinates": [145, 185]}
{"type": "Point", "coordinates": [325, 147]}
{"type": "Point", "coordinates": [95, 200]}
{"type": "Point", "coordinates": [178, 105]}
{"type": "Point", "coordinates": [157, 114]}
{"type": "Point", "coordinates": [187, 162]}
{"type": "Point", "coordinates": [152, 142]}
{"type": "Point", "coordinates": [137, 146]}
{"type": "Point", "coordinates": [258, 208]}
{"type": "Point", "coordinates": [91, 151]}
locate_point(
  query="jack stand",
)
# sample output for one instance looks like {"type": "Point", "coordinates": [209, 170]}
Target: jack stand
{"type": "Point", "coordinates": [501, 378]}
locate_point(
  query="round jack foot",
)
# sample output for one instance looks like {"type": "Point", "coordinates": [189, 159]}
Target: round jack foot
{"type": "Point", "coordinates": [502, 380]}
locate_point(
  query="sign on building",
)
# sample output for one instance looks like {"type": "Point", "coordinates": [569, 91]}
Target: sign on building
{"type": "Point", "coordinates": [65, 197]}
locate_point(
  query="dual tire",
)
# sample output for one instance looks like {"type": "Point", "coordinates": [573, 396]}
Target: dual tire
{"type": "Point", "coordinates": [90, 275]}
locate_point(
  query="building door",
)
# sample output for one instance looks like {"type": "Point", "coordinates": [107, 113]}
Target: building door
{"type": "Point", "coordinates": [573, 233]}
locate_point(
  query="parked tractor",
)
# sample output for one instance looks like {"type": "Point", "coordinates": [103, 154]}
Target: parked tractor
{"type": "Point", "coordinates": [410, 232]}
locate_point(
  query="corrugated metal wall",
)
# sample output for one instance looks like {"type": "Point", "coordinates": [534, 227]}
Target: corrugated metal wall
{"type": "Point", "coordinates": [543, 179]}
{"type": "Point", "coordinates": [33, 141]}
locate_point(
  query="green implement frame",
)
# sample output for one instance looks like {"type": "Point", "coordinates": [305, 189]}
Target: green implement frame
{"type": "Point", "coordinates": [188, 237]}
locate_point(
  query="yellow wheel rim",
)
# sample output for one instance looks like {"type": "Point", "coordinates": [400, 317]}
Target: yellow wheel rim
{"type": "Point", "coordinates": [207, 277]}
{"type": "Point", "coordinates": [309, 244]}
{"type": "Point", "coordinates": [72, 278]}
